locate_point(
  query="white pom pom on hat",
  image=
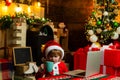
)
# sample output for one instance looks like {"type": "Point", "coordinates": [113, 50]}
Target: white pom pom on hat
{"type": "Point", "coordinates": [50, 45]}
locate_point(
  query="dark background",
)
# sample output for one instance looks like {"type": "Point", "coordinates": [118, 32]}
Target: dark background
{"type": "Point", "coordinates": [74, 13]}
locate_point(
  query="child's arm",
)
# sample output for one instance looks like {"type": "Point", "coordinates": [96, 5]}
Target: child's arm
{"type": "Point", "coordinates": [41, 72]}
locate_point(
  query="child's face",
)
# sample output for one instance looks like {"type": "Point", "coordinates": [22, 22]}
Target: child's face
{"type": "Point", "coordinates": [54, 55]}
{"type": "Point", "coordinates": [54, 58]}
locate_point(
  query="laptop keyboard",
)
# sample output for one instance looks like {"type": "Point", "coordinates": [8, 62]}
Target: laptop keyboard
{"type": "Point", "coordinates": [82, 74]}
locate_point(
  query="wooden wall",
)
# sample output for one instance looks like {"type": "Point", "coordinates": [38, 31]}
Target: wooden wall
{"type": "Point", "coordinates": [74, 13]}
{"type": "Point", "coordinates": [2, 39]}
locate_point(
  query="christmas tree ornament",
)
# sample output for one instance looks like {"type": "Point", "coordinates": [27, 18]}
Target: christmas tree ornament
{"type": "Point", "coordinates": [90, 22]}
{"type": "Point", "coordinates": [99, 12]}
{"type": "Point", "coordinates": [95, 45]}
{"type": "Point", "coordinates": [115, 36]}
{"type": "Point", "coordinates": [118, 30]}
{"type": "Point", "coordinates": [99, 30]}
{"type": "Point", "coordinates": [90, 32]}
{"type": "Point", "coordinates": [112, 1]}
{"type": "Point", "coordinates": [93, 38]}
{"type": "Point", "coordinates": [93, 13]}
{"type": "Point", "coordinates": [116, 11]}
{"type": "Point", "coordinates": [115, 24]}
{"type": "Point", "coordinates": [105, 13]}
{"type": "Point", "coordinates": [108, 20]}
{"type": "Point", "coordinates": [116, 44]}
{"type": "Point", "coordinates": [99, 23]}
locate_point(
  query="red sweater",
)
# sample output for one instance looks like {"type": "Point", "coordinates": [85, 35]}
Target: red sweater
{"type": "Point", "coordinates": [62, 68]}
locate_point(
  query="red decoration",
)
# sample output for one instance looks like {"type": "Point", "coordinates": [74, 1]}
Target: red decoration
{"type": "Point", "coordinates": [116, 44]}
{"type": "Point", "coordinates": [8, 2]}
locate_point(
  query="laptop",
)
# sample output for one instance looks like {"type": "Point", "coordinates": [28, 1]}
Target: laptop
{"type": "Point", "coordinates": [92, 66]}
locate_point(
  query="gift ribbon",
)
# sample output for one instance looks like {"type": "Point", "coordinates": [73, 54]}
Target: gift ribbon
{"type": "Point", "coordinates": [102, 59]}
{"type": "Point", "coordinates": [104, 69]}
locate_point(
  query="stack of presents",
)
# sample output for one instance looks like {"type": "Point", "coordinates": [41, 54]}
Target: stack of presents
{"type": "Point", "coordinates": [109, 67]}
{"type": "Point", "coordinates": [110, 59]}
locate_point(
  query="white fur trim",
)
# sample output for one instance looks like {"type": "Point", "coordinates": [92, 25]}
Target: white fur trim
{"type": "Point", "coordinates": [54, 47]}
{"type": "Point", "coordinates": [56, 69]}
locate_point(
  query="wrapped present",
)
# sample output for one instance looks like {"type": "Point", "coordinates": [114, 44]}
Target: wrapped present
{"type": "Point", "coordinates": [109, 61]}
{"type": "Point", "coordinates": [6, 69]}
{"type": "Point", "coordinates": [95, 49]}
{"type": "Point", "coordinates": [111, 64]}
{"type": "Point", "coordinates": [107, 70]}
{"type": "Point", "coordinates": [118, 72]}
{"type": "Point", "coordinates": [80, 59]}
{"type": "Point", "coordinates": [116, 44]}
{"type": "Point", "coordinates": [112, 58]}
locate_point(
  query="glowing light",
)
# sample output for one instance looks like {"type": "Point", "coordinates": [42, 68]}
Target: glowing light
{"type": "Point", "coordinates": [39, 4]}
{"type": "Point", "coordinates": [18, 9]}
{"type": "Point", "coordinates": [29, 9]}
{"type": "Point", "coordinates": [10, 1]}
{"type": "Point", "coordinates": [4, 9]}
{"type": "Point", "coordinates": [43, 19]}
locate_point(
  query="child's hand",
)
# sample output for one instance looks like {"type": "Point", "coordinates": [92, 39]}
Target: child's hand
{"type": "Point", "coordinates": [42, 66]}
{"type": "Point", "coordinates": [43, 59]}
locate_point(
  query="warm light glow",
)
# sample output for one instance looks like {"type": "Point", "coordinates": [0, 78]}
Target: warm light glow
{"type": "Point", "coordinates": [4, 9]}
{"type": "Point", "coordinates": [29, 9]}
{"type": "Point", "coordinates": [39, 4]}
{"type": "Point", "coordinates": [10, 1]}
{"type": "Point", "coordinates": [43, 19]}
{"type": "Point", "coordinates": [18, 9]}
{"type": "Point", "coordinates": [21, 8]}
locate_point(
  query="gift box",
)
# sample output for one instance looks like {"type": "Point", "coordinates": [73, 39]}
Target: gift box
{"type": "Point", "coordinates": [110, 62]}
{"type": "Point", "coordinates": [107, 70]}
{"type": "Point", "coordinates": [112, 58]}
{"type": "Point", "coordinates": [95, 49]}
{"type": "Point", "coordinates": [6, 69]}
{"type": "Point", "coordinates": [80, 59]}
{"type": "Point", "coordinates": [118, 72]}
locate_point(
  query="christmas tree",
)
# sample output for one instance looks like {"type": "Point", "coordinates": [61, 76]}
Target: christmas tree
{"type": "Point", "coordinates": [103, 25]}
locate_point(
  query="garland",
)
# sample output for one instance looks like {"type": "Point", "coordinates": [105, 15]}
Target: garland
{"type": "Point", "coordinates": [7, 20]}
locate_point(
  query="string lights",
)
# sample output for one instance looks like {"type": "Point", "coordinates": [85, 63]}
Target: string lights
{"type": "Point", "coordinates": [18, 8]}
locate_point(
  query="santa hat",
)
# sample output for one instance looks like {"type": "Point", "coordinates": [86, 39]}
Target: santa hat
{"type": "Point", "coordinates": [50, 45]}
